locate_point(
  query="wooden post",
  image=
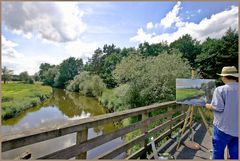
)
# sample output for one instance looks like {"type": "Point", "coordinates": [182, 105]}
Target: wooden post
{"type": "Point", "coordinates": [170, 109]}
{"type": "Point", "coordinates": [144, 131]}
{"type": "Point", "coordinates": [81, 137]}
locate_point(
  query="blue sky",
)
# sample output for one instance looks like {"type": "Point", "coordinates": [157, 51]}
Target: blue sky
{"type": "Point", "coordinates": [186, 83]}
{"type": "Point", "coordinates": [37, 32]}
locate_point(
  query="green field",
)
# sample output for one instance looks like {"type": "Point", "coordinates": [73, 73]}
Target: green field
{"type": "Point", "coordinates": [182, 94]}
{"type": "Point", "coordinates": [17, 97]}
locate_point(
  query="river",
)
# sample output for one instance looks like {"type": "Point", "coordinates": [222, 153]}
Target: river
{"type": "Point", "coordinates": [196, 101]}
{"type": "Point", "coordinates": [62, 107]}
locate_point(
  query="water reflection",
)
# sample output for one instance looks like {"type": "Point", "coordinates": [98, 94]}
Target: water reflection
{"type": "Point", "coordinates": [62, 107]}
{"type": "Point", "coordinates": [198, 101]}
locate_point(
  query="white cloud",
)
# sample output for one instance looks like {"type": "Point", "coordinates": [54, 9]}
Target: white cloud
{"type": "Point", "coordinates": [214, 27]}
{"type": "Point", "coordinates": [54, 21]}
{"type": "Point", "coordinates": [18, 62]}
{"type": "Point", "coordinates": [81, 49]}
{"type": "Point", "coordinates": [142, 36]}
{"type": "Point", "coordinates": [199, 10]}
{"type": "Point", "coordinates": [8, 49]}
{"type": "Point", "coordinates": [149, 25]}
{"type": "Point", "coordinates": [171, 16]}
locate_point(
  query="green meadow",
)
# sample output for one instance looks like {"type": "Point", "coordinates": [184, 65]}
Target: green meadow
{"type": "Point", "coordinates": [182, 94]}
{"type": "Point", "coordinates": [17, 97]}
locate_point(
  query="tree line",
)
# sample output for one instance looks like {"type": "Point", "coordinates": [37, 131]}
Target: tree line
{"type": "Point", "coordinates": [143, 75]}
{"type": "Point", "coordinates": [7, 75]}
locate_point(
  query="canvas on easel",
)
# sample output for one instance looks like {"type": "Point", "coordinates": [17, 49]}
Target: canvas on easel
{"type": "Point", "coordinates": [194, 92]}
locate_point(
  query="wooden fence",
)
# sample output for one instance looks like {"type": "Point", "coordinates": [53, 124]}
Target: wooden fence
{"type": "Point", "coordinates": [171, 118]}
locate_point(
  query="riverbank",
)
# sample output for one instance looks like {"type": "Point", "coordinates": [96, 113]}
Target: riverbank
{"type": "Point", "coordinates": [17, 97]}
{"type": "Point", "coordinates": [183, 94]}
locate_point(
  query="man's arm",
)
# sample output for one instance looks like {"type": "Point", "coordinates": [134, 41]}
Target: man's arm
{"type": "Point", "coordinates": [217, 103]}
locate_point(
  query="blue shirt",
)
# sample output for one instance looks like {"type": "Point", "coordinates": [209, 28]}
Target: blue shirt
{"type": "Point", "coordinates": [225, 107]}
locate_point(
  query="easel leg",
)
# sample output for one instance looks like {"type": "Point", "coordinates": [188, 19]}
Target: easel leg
{"type": "Point", "coordinates": [191, 118]}
{"type": "Point", "coordinates": [204, 121]}
{"type": "Point", "coordinates": [184, 126]}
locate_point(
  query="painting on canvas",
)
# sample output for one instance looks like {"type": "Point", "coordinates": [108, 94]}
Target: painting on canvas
{"type": "Point", "coordinates": [194, 91]}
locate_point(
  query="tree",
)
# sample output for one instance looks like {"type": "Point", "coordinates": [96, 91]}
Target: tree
{"type": "Point", "coordinates": [152, 50]}
{"type": "Point", "coordinates": [108, 49]}
{"type": "Point", "coordinates": [110, 63]}
{"type": "Point", "coordinates": [128, 51]}
{"type": "Point", "coordinates": [44, 68]}
{"type": "Point", "coordinates": [229, 48]}
{"type": "Point", "coordinates": [103, 62]}
{"type": "Point", "coordinates": [36, 76]}
{"type": "Point", "coordinates": [50, 75]}
{"type": "Point", "coordinates": [217, 53]}
{"type": "Point", "coordinates": [6, 74]}
{"type": "Point", "coordinates": [67, 70]}
{"type": "Point", "coordinates": [24, 76]}
{"type": "Point", "coordinates": [189, 47]}
{"type": "Point", "coordinates": [95, 63]}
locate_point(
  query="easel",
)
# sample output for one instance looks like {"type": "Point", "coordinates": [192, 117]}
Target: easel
{"type": "Point", "coordinates": [191, 111]}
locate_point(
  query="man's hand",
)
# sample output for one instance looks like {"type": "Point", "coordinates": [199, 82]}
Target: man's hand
{"type": "Point", "coordinates": [208, 106]}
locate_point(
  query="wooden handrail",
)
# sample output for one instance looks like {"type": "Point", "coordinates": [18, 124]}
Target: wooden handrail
{"type": "Point", "coordinates": [16, 140]}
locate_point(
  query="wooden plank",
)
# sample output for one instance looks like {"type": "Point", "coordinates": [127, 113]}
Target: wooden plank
{"type": "Point", "coordinates": [92, 143]}
{"type": "Point", "coordinates": [15, 140]}
{"type": "Point", "coordinates": [25, 155]}
{"type": "Point", "coordinates": [162, 136]}
{"type": "Point", "coordinates": [113, 153]}
{"type": "Point", "coordinates": [135, 155]}
{"type": "Point", "coordinates": [120, 149]}
{"type": "Point", "coordinates": [163, 148]}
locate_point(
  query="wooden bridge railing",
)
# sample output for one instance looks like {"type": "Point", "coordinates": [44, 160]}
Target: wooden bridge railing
{"type": "Point", "coordinates": [171, 120]}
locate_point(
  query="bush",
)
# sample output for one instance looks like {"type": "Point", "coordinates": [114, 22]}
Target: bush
{"type": "Point", "coordinates": [6, 99]}
{"type": "Point", "coordinates": [151, 79]}
{"type": "Point", "coordinates": [30, 81]}
{"type": "Point", "coordinates": [97, 85]}
{"type": "Point", "coordinates": [87, 84]}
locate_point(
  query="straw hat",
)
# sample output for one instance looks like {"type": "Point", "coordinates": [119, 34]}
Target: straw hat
{"type": "Point", "coordinates": [229, 71]}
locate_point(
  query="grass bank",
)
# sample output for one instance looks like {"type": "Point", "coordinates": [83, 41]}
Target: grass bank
{"type": "Point", "coordinates": [17, 97]}
{"type": "Point", "coordinates": [182, 94]}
